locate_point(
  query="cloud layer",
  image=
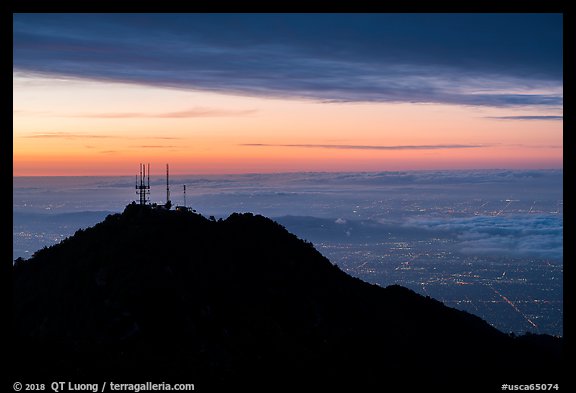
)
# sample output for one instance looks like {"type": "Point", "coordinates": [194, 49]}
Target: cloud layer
{"type": "Point", "coordinates": [190, 113]}
{"type": "Point", "coordinates": [367, 147]}
{"type": "Point", "coordinates": [502, 60]}
{"type": "Point", "coordinates": [470, 209]}
{"type": "Point", "coordinates": [536, 235]}
{"type": "Point", "coordinates": [553, 118]}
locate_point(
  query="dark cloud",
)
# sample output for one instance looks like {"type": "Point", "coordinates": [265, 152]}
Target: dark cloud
{"type": "Point", "coordinates": [190, 113]}
{"type": "Point", "coordinates": [367, 147]}
{"type": "Point", "coordinates": [526, 117]}
{"type": "Point", "coordinates": [464, 59]}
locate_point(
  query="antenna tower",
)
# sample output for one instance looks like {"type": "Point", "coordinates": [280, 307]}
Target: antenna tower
{"type": "Point", "coordinates": [168, 202]}
{"type": "Point", "coordinates": [143, 188]}
{"type": "Point", "coordinates": [184, 195]}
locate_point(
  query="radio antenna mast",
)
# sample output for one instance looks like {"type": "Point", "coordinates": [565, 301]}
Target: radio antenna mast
{"type": "Point", "coordinates": [143, 189]}
{"type": "Point", "coordinates": [168, 202]}
{"type": "Point", "coordinates": [184, 195]}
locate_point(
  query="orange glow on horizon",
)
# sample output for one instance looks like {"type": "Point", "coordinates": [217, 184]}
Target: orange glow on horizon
{"type": "Point", "coordinates": [95, 128]}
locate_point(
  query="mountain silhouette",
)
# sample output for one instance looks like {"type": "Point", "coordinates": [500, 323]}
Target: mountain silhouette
{"type": "Point", "coordinates": [171, 293]}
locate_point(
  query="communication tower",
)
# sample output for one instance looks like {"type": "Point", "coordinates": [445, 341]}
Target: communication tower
{"type": "Point", "coordinates": [143, 187]}
{"type": "Point", "coordinates": [168, 204]}
{"type": "Point", "coordinates": [185, 195]}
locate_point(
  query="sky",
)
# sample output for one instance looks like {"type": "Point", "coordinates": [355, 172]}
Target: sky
{"type": "Point", "coordinates": [96, 94]}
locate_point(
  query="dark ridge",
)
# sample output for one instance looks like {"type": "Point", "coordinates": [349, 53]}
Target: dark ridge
{"type": "Point", "coordinates": [168, 294]}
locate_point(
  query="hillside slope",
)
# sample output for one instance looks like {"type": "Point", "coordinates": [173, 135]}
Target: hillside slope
{"type": "Point", "coordinates": [166, 293]}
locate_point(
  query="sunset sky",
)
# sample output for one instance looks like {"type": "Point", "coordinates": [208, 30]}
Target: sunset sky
{"type": "Point", "coordinates": [96, 94]}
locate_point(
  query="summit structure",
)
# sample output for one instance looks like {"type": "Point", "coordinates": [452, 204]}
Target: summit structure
{"type": "Point", "coordinates": [143, 187]}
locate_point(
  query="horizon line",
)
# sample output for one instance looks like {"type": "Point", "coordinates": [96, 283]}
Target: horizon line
{"type": "Point", "coordinates": [308, 172]}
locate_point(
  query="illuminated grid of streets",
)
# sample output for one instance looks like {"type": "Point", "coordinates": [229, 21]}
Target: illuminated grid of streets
{"type": "Point", "coordinates": [513, 293]}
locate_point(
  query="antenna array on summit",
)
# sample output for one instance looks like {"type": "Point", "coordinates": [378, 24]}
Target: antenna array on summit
{"type": "Point", "coordinates": [143, 190]}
